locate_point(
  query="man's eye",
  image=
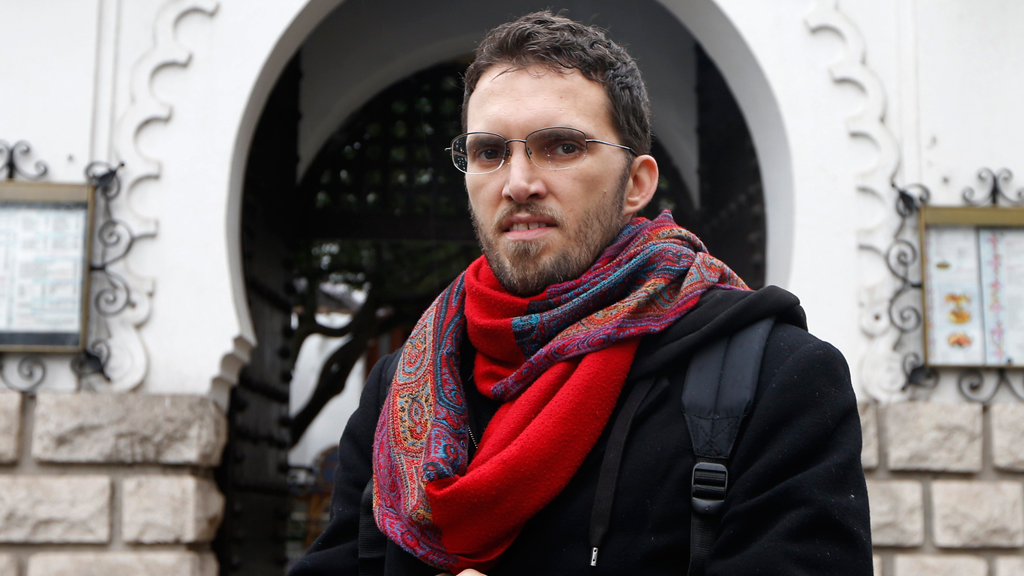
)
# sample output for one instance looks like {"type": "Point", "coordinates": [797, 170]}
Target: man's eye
{"type": "Point", "coordinates": [489, 154]}
{"type": "Point", "coordinates": [568, 148]}
{"type": "Point", "coordinates": [565, 148]}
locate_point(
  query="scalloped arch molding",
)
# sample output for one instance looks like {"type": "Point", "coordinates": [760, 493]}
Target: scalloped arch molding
{"type": "Point", "coordinates": [881, 374]}
{"type": "Point", "coordinates": [128, 363]}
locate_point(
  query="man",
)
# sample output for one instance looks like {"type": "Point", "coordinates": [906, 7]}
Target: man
{"type": "Point", "coordinates": [502, 443]}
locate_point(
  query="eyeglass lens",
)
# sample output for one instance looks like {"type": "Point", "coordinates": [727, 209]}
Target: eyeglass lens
{"type": "Point", "coordinates": [550, 148]}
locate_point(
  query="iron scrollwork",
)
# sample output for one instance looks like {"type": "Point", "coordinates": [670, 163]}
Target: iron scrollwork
{"type": "Point", "coordinates": [30, 371]}
{"type": "Point", "coordinates": [9, 161]}
{"type": "Point", "coordinates": [974, 386]}
{"type": "Point", "coordinates": [903, 256]}
{"type": "Point", "coordinates": [114, 240]}
{"type": "Point", "coordinates": [997, 182]}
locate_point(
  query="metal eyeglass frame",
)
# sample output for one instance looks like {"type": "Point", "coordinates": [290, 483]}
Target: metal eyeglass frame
{"type": "Point", "coordinates": [529, 153]}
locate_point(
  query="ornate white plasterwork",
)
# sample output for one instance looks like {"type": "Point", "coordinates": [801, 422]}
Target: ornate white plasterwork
{"type": "Point", "coordinates": [881, 372]}
{"type": "Point", "coordinates": [126, 359]}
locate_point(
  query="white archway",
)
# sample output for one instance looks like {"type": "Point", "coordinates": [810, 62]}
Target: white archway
{"type": "Point", "coordinates": [725, 45]}
{"type": "Point", "coordinates": [709, 23]}
{"type": "Point", "coordinates": [294, 33]}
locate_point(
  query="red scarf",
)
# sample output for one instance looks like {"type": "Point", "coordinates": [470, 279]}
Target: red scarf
{"type": "Point", "coordinates": [558, 362]}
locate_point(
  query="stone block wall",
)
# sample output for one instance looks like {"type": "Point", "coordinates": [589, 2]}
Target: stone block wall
{"type": "Point", "coordinates": [946, 487]}
{"type": "Point", "coordinates": [109, 484]}
{"type": "Point", "coordinates": [105, 484]}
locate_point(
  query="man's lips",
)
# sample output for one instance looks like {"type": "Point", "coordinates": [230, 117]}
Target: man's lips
{"type": "Point", "coordinates": [524, 226]}
{"type": "Point", "coordinates": [527, 226]}
{"type": "Point", "coordinates": [526, 222]}
{"type": "Point", "coordinates": [529, 234]}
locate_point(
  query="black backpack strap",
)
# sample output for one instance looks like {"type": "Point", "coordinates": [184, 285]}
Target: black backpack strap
{"type": "Point", "coordinates": [601, 513]}
{"type": "Point", "coordinates": [717, 394]}
{"type": "Point", "coordinates": [373, 542]}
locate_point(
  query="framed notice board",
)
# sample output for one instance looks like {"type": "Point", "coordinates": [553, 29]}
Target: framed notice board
{"type": "Point", "coordinates": [45, 232]}
{"type": "Point", "coordinates": [973, 286]}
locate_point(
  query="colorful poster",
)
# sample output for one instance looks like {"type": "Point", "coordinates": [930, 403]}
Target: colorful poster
{"type": "Point", "coordinates": [953, 300]}
{"type": "Point", "coordinates": [1001, 253]}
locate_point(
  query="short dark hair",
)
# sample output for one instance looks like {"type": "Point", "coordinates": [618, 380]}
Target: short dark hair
{"type": "Point", "coordinates": [561, 44]}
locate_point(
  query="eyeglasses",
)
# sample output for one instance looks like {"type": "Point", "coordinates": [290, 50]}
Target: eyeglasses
{"type": "Point", "coordinates": [554, 148]}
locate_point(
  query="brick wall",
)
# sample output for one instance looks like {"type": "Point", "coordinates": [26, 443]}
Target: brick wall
{"type": "Point", "coordinates": [946, 486]}
{"type": "Point", "coordinates": [108, 484]}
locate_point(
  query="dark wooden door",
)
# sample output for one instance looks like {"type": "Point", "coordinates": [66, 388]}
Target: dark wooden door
{"type": "Point", "coordinates": [254, 472]}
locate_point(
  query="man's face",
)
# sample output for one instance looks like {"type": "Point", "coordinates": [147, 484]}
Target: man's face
{"type": "Point", "coordinates": [539, 227]}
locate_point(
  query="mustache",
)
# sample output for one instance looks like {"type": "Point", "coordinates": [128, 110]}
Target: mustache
{"type": "Point", "coordinates": [532, 209]}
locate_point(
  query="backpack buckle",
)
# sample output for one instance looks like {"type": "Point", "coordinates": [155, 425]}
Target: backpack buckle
{"type": "Point", "coordinates": [708, 486]}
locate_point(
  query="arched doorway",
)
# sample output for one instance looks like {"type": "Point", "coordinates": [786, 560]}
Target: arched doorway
{"type": "Point", "coordinates": [278, 227]}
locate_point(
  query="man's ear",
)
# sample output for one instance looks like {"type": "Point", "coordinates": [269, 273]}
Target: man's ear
{"type": "Point", "coordinates": [643, 182]}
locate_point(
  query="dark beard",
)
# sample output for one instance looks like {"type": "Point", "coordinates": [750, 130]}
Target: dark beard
{"type": "Point", "coordinates": [522, 274]}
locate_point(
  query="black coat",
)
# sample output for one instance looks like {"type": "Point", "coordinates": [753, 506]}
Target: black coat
{"type": "Point", "coordinates": [797, 502]}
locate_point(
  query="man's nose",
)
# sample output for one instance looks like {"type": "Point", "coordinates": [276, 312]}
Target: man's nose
{"type": "Point", "coordinates": [524, 178]}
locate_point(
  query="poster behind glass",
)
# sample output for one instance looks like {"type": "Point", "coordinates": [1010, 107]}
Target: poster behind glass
{"type": "Point", "coordinates": [44, 243]}
{"type": "Point", "coordinates": [974, 295]}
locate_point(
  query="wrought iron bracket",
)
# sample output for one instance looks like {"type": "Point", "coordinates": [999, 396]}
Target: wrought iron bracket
{"type": "Point", "coordinates": [997, 183]}
{"type": "Point", "coordinates": [114, 240]}
{"type": "Point", "coordinates": [9, 161]}
{"type": "Point", "coordinates": [974, 386]}
{"type": "Point", "coordinates": [905, 314]}
{"type": "Point", "coordinates": [903, 258]}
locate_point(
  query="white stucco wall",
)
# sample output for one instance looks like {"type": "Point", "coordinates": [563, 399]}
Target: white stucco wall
{"type": "Point", "coordinates": [48, 96]}
{"type": "Point", "coordinates": [823, 159]}
{"type": "Point", "coordinates": [75, 91]}
{"type": "Point", "coordinates": [951, 71]}
{"type": "Point", "coordinates": [938, 101]}
{"type": "Point", "coordinates": [193, 321]}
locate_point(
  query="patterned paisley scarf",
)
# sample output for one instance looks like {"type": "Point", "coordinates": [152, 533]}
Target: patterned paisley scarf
{"type": "Point", "coordinates": [557, 361]}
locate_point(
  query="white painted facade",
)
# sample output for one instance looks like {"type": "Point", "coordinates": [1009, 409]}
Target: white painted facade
{"type": "Point", "coordinates": [841, 97]}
